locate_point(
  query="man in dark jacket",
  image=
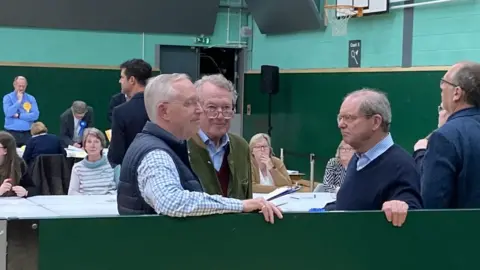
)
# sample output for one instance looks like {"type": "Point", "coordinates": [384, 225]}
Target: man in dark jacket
{"type": "Point", "coordinates": [451, 162]}
{"type": "Point", "coordinates": [116, 100]}
{"type": "Point", "coordinates": [73, 122]}
{"type": "Point", "coordinates": [129, 118]}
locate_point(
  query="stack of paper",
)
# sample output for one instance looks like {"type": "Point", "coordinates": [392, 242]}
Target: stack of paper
{"type": "Point", "coordinates": [75, 152]}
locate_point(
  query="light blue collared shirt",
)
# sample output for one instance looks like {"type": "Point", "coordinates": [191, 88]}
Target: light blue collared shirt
{"type": "Point", "coordinates": [216, 154]}
{"type": "Point", "coordinates": [374, 152]}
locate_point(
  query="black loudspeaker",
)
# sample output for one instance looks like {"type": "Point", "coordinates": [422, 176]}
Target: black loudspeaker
{"type": "Point", "coordinates": [270, 79]}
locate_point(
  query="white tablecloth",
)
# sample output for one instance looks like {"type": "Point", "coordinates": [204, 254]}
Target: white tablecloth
{"type": "Point", "coordinates": [58, 206]}
{"type": "Point", "coordinates": [106, 205]}
{"type": "Point", "coordinates": [70, 153]}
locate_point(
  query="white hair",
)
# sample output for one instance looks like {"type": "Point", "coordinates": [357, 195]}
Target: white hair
{"type": "Point", "coordinates": [219, 81]}
{"type": "Point", "coordinates": [160, 89]}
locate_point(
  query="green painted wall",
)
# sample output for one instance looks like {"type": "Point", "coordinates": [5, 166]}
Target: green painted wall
{"type": "Point", "coordinates": [305, 110]}
{"type": "Point", "coordinates": [440, 240]}
{"type": "Point", "coordinates": [56, 88]}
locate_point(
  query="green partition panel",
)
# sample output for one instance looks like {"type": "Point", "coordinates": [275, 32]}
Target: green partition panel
{"type": "Point", "coordinates": [304, 112]}
{"type": "Point", "coordinates": [56, 88]}
{"type": "Point", "coordinates": [344, 241]}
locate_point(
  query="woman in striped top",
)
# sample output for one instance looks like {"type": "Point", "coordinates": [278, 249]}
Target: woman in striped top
{"type": "Point", "coordinates": [337, 166]}
{"type": "Point", "coordinates": [93, 175]}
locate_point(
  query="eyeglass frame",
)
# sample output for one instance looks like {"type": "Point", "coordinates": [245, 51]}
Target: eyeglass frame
{"type": "Point", "coordinates": [213, 112]}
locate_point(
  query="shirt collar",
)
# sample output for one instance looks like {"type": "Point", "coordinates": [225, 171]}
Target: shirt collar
{"type": "Point", "coordinates": [378, 149]}
{"type": "Point", "coordinates": [223, 142]}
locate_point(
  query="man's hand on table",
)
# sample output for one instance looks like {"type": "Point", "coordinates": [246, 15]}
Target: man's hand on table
{"type": "Point", "coordinates": [268, 209]}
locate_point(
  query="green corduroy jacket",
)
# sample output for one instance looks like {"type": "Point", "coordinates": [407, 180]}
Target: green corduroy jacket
{"type": "Point", "coordinates": [240, 185]}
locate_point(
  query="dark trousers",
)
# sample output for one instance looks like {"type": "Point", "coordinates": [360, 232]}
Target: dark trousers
{"type": "Point", "coordinates": [21, 137]}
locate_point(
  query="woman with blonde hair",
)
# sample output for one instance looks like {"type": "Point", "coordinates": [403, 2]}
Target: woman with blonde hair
{"type": "Point", "coordinates": [93, 175]}
{"type": "Point", "coordinates": [41, 143]}
{"type": "Point", "coordinates": [337, 166]}
{"type": "Point", "coordinates": [268, 172]}
{"type": "Point", "coordinates": [14, 177]}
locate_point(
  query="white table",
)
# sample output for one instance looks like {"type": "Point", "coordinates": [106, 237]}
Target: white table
{"type": "Point", "coordinates": [70, 153]}
{"type": "Point", "coordinates": [58, 206]}
{"type": "Point", "coordinates": [301, 202]}
{"type": "Point", "coordinates": [73, 199]}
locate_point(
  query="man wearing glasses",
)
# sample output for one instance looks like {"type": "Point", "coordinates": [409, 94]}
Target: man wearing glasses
{"type": "Point", "coordinates": [220, 159]}
{"type": "Point", "coordinates": [451, 162]}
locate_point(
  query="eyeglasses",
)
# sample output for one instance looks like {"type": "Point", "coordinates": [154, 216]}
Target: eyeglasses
{"type": "Point", "coordinates": [449, 83]}
{"type": "Point", "coordinates": [214, 112]}
{"type": "Point", "coordinates": [261, 147]}
{"type": "Point", "coordinates": [346, 118]}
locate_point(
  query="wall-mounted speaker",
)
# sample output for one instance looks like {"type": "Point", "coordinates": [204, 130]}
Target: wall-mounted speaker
{"type": "Point", "coordinates": [270, 79]}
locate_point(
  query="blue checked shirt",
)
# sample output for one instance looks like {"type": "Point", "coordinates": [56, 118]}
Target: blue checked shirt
{"type": "Point", "coordinates": [159, 184]}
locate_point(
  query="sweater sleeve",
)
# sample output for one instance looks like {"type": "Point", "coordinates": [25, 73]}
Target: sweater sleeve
{"type": "Point", "coordinates": [406, 186]}
{"type": "Point", "coordinates": [74, 187]}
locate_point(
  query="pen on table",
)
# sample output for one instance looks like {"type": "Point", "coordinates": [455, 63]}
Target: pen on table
{"type": "Point", "coordinates": [297, 198]}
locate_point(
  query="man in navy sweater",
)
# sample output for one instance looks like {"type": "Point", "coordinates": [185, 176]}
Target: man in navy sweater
{"type": "Point", "coordinates": [451, 162]}
{"type": "Point", "coordinates": [381, 175]}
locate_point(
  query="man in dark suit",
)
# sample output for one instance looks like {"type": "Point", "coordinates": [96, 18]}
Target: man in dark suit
{"type": "Point", "coordinates": [129, 118]}
{"type": "Point", "coordinates": [73, 122]}
{"type": "Point", "coordinates": [117, 99]}
{"type": "Point", "coordinates": [451, 162]}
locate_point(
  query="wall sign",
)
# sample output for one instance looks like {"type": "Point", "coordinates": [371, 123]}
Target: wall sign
{"type": "Point", "coordinates": [354, 53]}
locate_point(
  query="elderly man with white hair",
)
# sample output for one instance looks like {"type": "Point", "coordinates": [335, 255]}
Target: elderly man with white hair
{"type": "Point", "coordinates": [156, 176]}
{"type": "Point", "coordinates": [219, 158]}
{"type": "Point", "coordinates": [381, 175]}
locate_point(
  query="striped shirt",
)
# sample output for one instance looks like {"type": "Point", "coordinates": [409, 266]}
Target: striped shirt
{"type": "Point", "coordinates": [92, 178]}
{"type": "Point", "coordinates": [160, 187]}
{"type": "Point", "coordinates": [334, 174]}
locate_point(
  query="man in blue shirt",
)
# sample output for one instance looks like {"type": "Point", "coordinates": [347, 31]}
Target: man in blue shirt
{"type": "Point", "coordinates": [21, 111]}
{"type": "Point", "coordinates": [381, 175]}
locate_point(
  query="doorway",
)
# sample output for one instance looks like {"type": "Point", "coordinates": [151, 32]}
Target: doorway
{"type": "Point", "coordinates": [200, 61]}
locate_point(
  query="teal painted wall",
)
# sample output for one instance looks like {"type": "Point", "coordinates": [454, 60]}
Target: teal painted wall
{"type": "Point", "coordinates": [102, 48]}
{"type": "Point", "coordinates": [321, 50]}
{"type": "Point", "coordinates": [443, 34]}
{"type": "Point", "coordinates": [447, 33]}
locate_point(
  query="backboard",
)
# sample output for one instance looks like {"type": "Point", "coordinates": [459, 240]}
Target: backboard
{"type": "Point", "coordinates": [370, 7]}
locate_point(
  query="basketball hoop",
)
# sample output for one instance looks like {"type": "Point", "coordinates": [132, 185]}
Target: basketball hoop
{"type": "Point", "coordinates": [338, 16]}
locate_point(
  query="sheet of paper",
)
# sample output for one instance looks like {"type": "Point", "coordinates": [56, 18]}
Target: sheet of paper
{"type": "Point", "coordinates": [73, 148]}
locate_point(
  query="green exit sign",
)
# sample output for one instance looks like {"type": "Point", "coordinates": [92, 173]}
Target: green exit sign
{"type": "Point", "coordinates": [202, 40]}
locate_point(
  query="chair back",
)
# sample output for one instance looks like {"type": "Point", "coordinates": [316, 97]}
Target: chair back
{"type": "Point", "coordinates": [51, 174]}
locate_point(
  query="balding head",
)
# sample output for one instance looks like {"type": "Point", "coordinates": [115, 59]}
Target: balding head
{"type": "Point", "coordinates": [172, 103]}
{"type": "Point", "coordinates": [161, 89]}
{"type": "Point", "coordinates": [20, 84]}
{"type": "Point", "coordinates": [461, 87]}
